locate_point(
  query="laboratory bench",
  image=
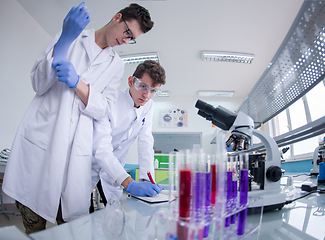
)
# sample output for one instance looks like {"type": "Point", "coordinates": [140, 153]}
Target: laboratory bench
{"type": "Point", "coordinates": [129, 218]}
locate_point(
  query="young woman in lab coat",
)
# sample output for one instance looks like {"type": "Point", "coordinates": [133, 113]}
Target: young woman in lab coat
{"type": "Point", "coordinates": [52, 149]}
{"type": "Point", "coordinates": [130, 118]}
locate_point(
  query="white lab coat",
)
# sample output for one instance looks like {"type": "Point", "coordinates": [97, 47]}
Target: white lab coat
{"type": "Point", "coordinates": [114, 136]}
{"type": "Point", "coordinates": [52, 150]}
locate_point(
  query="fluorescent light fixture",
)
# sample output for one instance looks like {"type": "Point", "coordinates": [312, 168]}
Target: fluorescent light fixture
{"type": "Point", "coordinates": [164, 94]}
{"type": "Point", "coordinates": [227, 57]}
{"type": "Point", "coordinates": [139, 58]}
{"type": "Point", "coordinates": [215, 93]}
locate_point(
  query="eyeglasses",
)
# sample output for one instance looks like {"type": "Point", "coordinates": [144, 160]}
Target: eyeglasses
{"type": "Point", "coordinates": [129, 34]}
{"type": "Point", "coordinates": [140, 86]}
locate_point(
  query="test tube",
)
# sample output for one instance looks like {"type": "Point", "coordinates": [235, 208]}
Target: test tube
{"type": "Point", "coordinates": [172, 183]}
{"type": "Point", "coordinates": [184, 166]}
{"type": "Point", "coordinates": [185, 181]}
{"type": "Point", "coordinates": [199, 184]}
{"type": "Point", "coordinates": [213, 181]}
{"type": "Point", "coordinates": [229, 192]}
{"type": "Point", "coordinates": [207, 196]}
{"type": "Point", "coordinates": [234, 187]}
{"type": "Point", "coordinates": [221, 169]}
{"type": "Point", "coordinates": [243, 194]}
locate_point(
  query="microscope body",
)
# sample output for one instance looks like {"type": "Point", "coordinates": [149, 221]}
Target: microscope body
{"type": "Point", "coordinates": [241, 134]}
{"type": "Point", "coordinates": [269, 173]}
{"type": "Point", "coordinates": [272, 165]}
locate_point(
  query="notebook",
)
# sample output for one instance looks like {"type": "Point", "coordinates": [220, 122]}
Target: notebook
{"type": "Point", "coordinates": [163, 196]}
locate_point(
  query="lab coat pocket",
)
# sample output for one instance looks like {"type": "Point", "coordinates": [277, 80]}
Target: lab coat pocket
{"type": "Point", "coordinates": [84, 135]}
{"type": "Point", "coordinates": [39, 129]}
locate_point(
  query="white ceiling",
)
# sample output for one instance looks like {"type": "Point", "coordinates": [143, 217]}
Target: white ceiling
{"type": "Point", "coordinates": [184, 28]}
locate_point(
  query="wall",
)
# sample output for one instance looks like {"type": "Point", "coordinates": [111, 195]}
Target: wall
{"type": "Point", "coordinates": [166, 143]}
{"type": "Point", "coordinates": [21, 42]}
{"type": "Point", "coordinates": [195, 122]}
{"type": "Point", "coordinates": [300, 166]}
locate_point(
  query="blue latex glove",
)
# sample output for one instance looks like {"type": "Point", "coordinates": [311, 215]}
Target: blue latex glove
{"type": "Point", "coordinates": [74, 23]}
{"type": "Point", "coordinates": [161, 188]}
{"type": "Point", "coordinates": [67, 74]}
{"type": "Point", "coordinates": [143, 189]}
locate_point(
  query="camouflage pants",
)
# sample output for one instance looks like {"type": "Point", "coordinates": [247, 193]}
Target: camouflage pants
{"type": "Point", "coordinates": [33, 222]}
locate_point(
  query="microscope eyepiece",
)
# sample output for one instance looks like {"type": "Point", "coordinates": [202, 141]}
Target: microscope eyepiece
{"type": "Point", "coordinates": [203, 114]}
{"type": "Point", "coordinates": [219, 116]}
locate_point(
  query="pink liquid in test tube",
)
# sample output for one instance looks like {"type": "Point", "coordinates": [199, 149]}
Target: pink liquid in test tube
{"type": "Point", "coordinates": [184, 193]}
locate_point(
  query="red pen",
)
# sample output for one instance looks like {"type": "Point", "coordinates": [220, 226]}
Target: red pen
{"type": "Point", "coordinates": [150, 178]}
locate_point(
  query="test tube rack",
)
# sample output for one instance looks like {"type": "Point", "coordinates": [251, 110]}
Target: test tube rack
{"type": "Point", "coordinates": [184, 220]}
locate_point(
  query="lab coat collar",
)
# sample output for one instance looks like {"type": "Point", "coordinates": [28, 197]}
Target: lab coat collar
{"type": "Point", "coordinates": [88, 40]}
{"type": "Point", "coordinates": [129, 97]}
{"type": "Point", "coordinates": [131, 102]}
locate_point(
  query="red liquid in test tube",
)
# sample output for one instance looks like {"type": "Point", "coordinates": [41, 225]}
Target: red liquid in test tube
{"type": "Point", "coordinates": [213, 184]}
{"type": "Point", "coordinates": [184, 193]}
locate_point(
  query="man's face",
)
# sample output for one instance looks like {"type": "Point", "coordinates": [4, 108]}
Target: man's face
{"type": "Point", "coordinates": [141, 90]}
{"type": "Point", "coordinates": [119, 31]}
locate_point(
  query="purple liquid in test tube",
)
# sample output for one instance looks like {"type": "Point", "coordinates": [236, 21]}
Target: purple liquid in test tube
{"type": "Point", "coordinates": [229, 197]}
{"type": "Point", "coordinates": [207, 203]}
{"type": "Point", "coordinates": [199, 194]}
{"type": "Point", "coordinates": [234, 200]}
{"type": "Point", "coordinates": [233, 188]}
{"type": "Point", "coordinates": [243, 188]}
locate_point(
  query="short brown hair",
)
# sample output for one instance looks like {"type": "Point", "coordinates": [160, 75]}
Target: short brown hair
{"type": "Point", "coordinates": [136, 12]}
{"type": "Point", "coordinates": [154, 69]}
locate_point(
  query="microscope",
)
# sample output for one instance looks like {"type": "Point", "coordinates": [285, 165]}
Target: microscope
{"type": "Point", "coordinates": [265, 169]}
{"type": "Point", "coordinates": [319, 163]}
{"type": "Point", "coordinates": [318, 157]}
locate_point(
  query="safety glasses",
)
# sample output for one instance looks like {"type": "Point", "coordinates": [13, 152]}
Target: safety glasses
{"type": "Point", "coordinates": [144, 88]}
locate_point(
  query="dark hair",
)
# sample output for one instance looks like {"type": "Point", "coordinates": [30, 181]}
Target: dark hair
{"type": "Point", "coordinates": [154, 69]}
{"type": "Point", "coordinates": [138, 13]}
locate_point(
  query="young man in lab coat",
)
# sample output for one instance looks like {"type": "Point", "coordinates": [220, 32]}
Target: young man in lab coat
{"type": "Point", "coordinates": [75, 79]}
{"type": "Point", "coordinates": [130, 118]}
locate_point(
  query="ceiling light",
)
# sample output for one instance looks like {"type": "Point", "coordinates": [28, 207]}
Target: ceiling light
{"type": "Point", "coordinates": [227, 57]}
{"type": "Point", "coordinates": [139, 58]}
{"type": "Point", "coordinates": [215, 93]}
{"type": "Point", "coordinates": [164, 94]}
